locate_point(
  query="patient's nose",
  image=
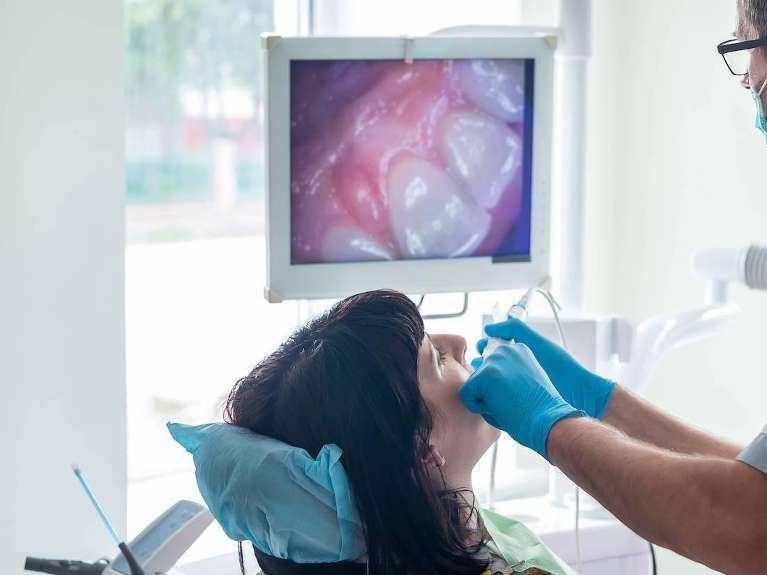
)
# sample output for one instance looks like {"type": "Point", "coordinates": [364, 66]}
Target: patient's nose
{"type": "Point", "coordinates": [453, 344]}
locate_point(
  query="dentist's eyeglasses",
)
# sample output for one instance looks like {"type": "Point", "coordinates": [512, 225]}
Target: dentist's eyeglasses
{"type": "Point", "coordinates": [737, 54]}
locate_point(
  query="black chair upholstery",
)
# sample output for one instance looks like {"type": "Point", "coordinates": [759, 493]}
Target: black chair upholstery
{"type": "Point", "coordinates": [273, 566]}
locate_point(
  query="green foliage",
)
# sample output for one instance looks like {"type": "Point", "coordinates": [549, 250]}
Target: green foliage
{"type": "Point", "coordinates": [161, 181]}
{"type": "Point", "coordinates": [207, 44]}
{"type": "Point", "coordinates": [185, 180]}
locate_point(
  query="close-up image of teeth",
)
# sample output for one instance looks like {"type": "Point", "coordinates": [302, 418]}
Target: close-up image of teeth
{"type": "Point", "coordinates": [393, 160]}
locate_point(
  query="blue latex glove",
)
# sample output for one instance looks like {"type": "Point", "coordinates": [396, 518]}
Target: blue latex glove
{"type": "Point", "coordinates": [577, 385]}
{"type": "Point", "coordinates": [513, 393]}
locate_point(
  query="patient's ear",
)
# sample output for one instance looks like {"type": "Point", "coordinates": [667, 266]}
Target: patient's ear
{"type": "Point", "coordinates": [433, 457]}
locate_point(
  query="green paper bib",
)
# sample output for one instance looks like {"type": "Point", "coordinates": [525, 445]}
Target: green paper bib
{"type": "Point", "coordinates": [521, 548]}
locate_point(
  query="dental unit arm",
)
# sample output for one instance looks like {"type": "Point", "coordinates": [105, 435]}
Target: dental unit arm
{"type": "Point", "coordinates": [659, 335]}
{"type": "Point", "coordinates": [632, 352]}
{"type": "Point", "coordinates": [722, 266]}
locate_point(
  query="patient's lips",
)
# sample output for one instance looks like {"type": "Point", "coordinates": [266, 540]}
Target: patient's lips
{"type": "Point", "coordinates": [431, 216]}
{"type": "Point", "coordinates": [424, 163]}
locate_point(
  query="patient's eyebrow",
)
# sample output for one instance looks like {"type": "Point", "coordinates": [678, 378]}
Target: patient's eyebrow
{"type": "Point", "coordinates": [435, 354]}
{"type": "Point", "coordinates": [432, 348]}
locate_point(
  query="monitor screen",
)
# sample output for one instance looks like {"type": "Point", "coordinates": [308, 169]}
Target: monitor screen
{"type": "Point", "coordinates": [399, 161]}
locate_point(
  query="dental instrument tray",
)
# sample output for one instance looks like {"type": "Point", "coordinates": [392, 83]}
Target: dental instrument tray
{"type": "Point", "coordinates": [157, 548]}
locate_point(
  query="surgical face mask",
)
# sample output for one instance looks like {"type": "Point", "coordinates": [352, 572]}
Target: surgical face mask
{"type": "Point", "coordinates": [761, 114]}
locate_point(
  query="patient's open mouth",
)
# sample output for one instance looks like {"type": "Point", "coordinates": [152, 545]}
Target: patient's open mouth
{"type": "Point", "coordinates": [392, 160]}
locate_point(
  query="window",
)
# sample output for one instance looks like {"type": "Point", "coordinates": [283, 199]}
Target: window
{"type": "Point", "coordinates": [196, 316]}
{"type": "Point", "coordinates": [194, 132]}
{"type": "Point", "coordinates": [195, 254]}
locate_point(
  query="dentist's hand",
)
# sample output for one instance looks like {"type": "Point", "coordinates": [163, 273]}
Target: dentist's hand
{"type": "Point", "coordinates": [577, 385]}
{"type": "Point", "coordinates": [513, 393]}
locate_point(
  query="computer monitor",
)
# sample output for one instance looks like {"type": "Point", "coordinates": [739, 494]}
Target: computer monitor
{"type": "Point", "coordinates": [419, 164]}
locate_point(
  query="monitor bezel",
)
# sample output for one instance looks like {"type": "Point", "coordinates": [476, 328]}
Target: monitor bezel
{"type": "Point", "coordinates": [285, 281]}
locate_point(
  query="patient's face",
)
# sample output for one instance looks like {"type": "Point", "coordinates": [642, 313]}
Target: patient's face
{"type": "Point", "coordinates": [461, 437]}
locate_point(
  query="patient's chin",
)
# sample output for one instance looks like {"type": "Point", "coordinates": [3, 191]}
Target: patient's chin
{"type": "Point", "coordinates": [492, 433]}
{"type": "Point", "coordinates": [484, 433]}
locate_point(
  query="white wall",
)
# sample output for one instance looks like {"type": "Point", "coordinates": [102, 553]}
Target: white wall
{"type": "Point", "coordinates": [676, 164]}
{"type": "Point", "coordinates": [61, 276]}
{"type": "Point", "coordinates": [360, 18]}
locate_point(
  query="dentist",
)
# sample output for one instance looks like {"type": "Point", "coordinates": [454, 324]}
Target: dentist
{"type": "Point", "coordinates": [672, 484]}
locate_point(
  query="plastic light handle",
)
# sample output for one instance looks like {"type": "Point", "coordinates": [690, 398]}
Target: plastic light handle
{"type": "Point", "coordinates": [100, 510]}
{"type": "Point", "coordinates": [517, 311]}
{"type": "Point", "coordinates": [135, 568]}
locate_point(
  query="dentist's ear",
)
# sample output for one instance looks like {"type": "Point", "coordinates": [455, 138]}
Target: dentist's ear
{"type": "Point", "coordinates": [434, 458]}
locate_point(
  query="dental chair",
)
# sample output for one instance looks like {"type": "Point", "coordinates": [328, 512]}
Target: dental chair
{"type": "Point", "coordinates": [273, 566]}
{"type": "Point", "coordinates": [298, 511]}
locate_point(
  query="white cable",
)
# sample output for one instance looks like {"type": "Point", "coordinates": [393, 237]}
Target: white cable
{"type": "Point", "coordinates": [519, 311]}
{"type": "Point", "coordinates": [578, 560]}
{"type": "Point", "coordinates": [491, 488]}
{"type": "Point", "coordinates": [563, 340]}
{"type": "Point", "coordinates": [523, 304]}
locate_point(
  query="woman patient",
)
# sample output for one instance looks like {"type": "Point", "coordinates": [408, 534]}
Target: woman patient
{"type": "Point", "coordinates": [366, 377]}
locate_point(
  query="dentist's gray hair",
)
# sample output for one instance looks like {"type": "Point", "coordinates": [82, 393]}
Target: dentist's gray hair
{"type": "Point", "coordinates": [754, 15]}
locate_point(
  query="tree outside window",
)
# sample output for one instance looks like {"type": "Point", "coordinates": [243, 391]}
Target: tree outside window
{"type": "Point", "coordinates": [194, 132]}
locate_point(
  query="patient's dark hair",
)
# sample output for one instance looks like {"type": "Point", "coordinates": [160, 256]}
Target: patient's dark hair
{"type": "Point", "coordinates": [350, 377]}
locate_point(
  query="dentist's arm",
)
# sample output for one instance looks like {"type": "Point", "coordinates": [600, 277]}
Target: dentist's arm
{"type": "Point", "coordinates": [709, 509]}
{"type": "Point", "coordinates": [602, 399]}
{"type": "Point", "coordinates": [641, 420]}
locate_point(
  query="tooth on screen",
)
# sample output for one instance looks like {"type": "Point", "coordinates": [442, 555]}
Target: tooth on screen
{"type": "Point", "coordinates": [348, 243]}
{"type": "Point", "coordinates": [483, 152]}
{"type": "Point", "coordinates": [431, 216]}
{"type": "Point", "coordinates": [496, 86]}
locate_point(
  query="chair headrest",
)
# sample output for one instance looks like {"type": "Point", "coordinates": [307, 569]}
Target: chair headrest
{"type": "Point", "coordinates": [288, 504]}
{"type": "Point", "coordinates": [272, 566]}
